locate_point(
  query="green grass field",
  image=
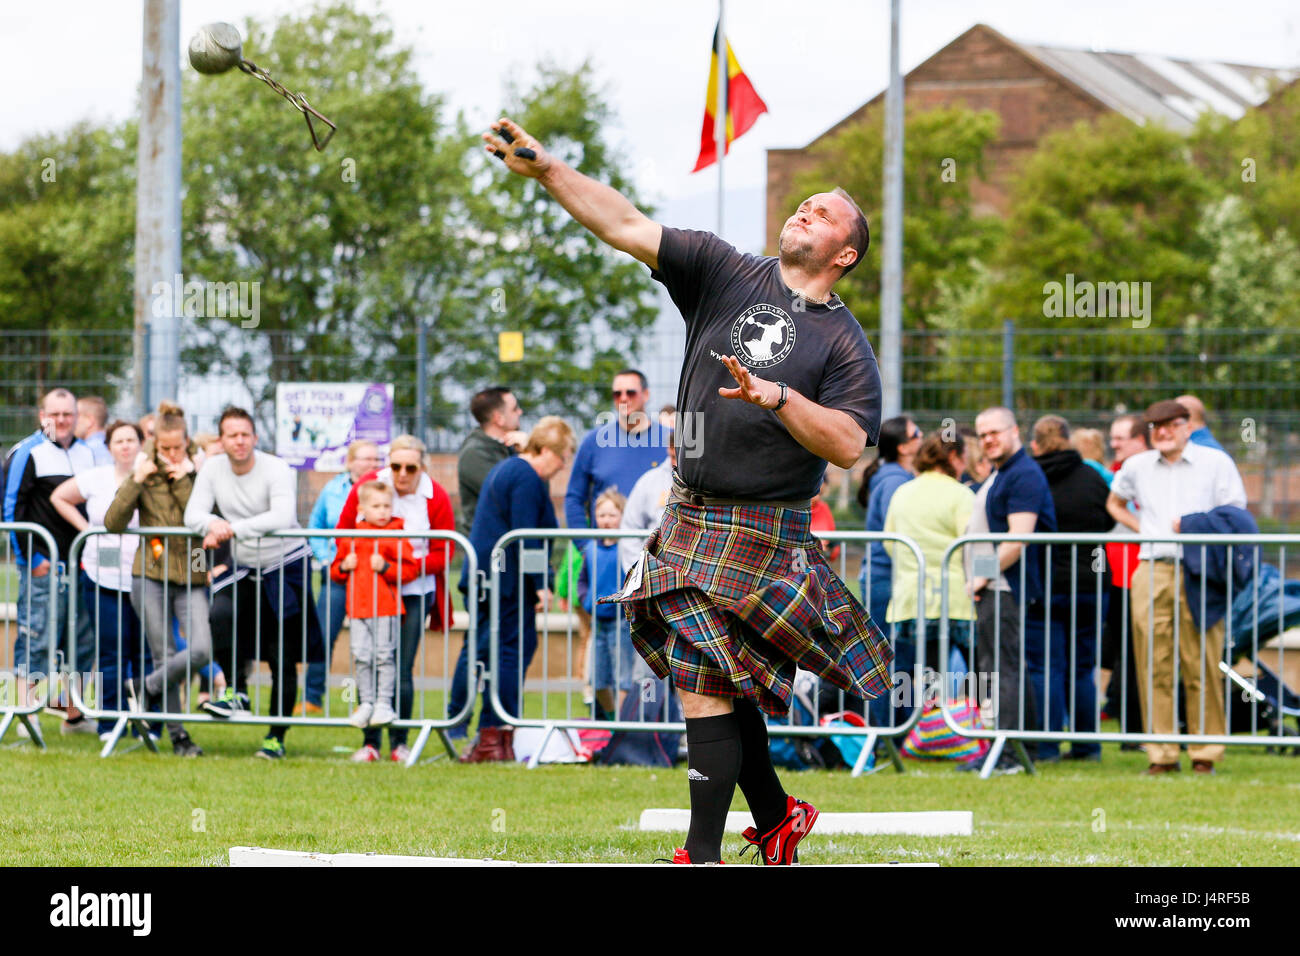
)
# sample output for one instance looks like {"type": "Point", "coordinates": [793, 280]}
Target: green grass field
{"type": "Point", "coordinates": [67, 807]}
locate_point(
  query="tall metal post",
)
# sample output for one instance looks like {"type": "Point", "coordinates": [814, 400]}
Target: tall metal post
{"type": "Point", "coordinates": [158, 207]}
{"type": "Point", "coordinates": [891, 259]}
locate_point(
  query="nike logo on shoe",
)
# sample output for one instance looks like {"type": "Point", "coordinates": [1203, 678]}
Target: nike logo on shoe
{"type": "Point", "coordinates": [775, 855]}
{"type": "Point", "coordinates": [693, 775]}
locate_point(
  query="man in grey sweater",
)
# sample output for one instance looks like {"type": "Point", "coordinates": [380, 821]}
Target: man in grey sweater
{"type": "Point", "coordinates": [260, 609]}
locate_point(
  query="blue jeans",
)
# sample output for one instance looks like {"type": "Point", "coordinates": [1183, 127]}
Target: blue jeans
{"type": "Point", "coordinates": [904, 634]}
{"type": "Point", "coordinates": [415, 611]}
{"type": "Point", "coordinates": [514, 655]}
{"type": "Point", "coordinates": [32, 645]}
{"type": "Point", "coordinates": [614, 657]}
{"type": "Point", "coordinates": [121, 652]}
{"type": "Point", "coordinates": [1062, 677]}
{"type": "Point", "coordinates": [331, 608]}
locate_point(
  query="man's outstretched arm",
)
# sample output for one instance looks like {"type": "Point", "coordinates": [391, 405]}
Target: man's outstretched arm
{"type": "Point", "coordinates": [602, 210]}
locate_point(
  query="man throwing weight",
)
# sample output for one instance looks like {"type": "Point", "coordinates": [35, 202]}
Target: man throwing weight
{"type": "Point", "coordinates": [732, 592]}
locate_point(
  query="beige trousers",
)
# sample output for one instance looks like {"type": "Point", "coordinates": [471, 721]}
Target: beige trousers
{"type": "Point", "coordinates": [1153, 633]}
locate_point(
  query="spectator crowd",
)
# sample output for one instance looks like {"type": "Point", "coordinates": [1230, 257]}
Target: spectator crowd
{"type": "Point", "coordinates": [183, 619]}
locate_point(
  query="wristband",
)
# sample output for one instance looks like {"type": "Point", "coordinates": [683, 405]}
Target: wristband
{"type": "Point", "coordinates": [784, 397]}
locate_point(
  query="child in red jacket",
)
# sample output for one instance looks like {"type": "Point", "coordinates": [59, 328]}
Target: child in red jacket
{"type": "Point", "coordinates": [374, 570]}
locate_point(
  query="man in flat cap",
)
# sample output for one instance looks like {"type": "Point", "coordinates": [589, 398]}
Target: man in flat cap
{"type": "Point", "coordinates": [1172, 479]}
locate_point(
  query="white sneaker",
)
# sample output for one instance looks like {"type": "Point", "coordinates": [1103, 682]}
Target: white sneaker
{"type": "Point", "coordinates": [361, 716]}
{"type": "Point", "coordinates": [83, 726]}
{"type": "Point", "coordinates": [384, 715]}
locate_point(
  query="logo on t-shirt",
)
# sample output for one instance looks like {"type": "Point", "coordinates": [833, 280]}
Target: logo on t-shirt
{"type": "Point", "coordinates": [763, 336]}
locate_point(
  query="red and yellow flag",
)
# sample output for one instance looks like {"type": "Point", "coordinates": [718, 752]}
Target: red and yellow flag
{"type": "Point", "coordinates": [743, 106]}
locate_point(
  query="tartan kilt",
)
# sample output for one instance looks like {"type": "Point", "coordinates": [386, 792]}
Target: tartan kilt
{"type": "Point", "coordinates": [731, 599]}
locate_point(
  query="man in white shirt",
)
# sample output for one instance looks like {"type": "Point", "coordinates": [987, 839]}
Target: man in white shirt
{"type": "Point", "coordinates": [255, 493]}
{"type": "Point", "coordinates": [1173, 479]}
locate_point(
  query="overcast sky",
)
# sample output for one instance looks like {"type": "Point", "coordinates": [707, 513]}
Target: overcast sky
{"type": "Point", "coordinates": [813, 61]}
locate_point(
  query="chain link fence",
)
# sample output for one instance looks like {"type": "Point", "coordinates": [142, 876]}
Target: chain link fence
{"type": "Point", "coordinates": [1246, 378]}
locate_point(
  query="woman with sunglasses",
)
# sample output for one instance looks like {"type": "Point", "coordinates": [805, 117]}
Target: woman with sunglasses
{"type": "Point", "coordinates": [423, 505]}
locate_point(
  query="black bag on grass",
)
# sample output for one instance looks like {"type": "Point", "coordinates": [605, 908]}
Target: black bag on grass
{"type": "Point", "coordinates": [650, 700]}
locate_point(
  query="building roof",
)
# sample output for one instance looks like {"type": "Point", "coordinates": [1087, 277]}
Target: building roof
{"type": "Point", "coordinates": [1147, 87]}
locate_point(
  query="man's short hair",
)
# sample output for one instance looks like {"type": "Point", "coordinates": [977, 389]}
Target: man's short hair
{"type": "Point", "coordinates": [96, 408]}
{"type": "Point", "coordinates": [1002, 412]}
{"type": "Point", "coordinates": [235, 412]}
{"type": "Point", "coordinates": [487, 403]}
{"type": "Point", "coordinates": [55, 393]}
{"type": "Point", "coordinates": [372, 488]}
{"type": "Point", "coordinates": [1137, 428]}
{"type": "Point", "coordinates": [645, 382]}
{"type": "Point", "coordinates": [859, 231]}
{"type": "Point", "coordinates": [1051, 433]}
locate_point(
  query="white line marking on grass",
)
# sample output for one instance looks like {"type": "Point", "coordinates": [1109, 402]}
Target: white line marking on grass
{"type": "Point", "coordinates": [1186, 829]}
{"type": "Point", "coordinates": [920, 823]}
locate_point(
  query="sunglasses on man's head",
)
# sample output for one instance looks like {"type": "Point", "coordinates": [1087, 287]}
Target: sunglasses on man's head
{"type": "Point", "coordinates": [629, 392]}
{"type": "Point", "coordinates": [405, 469]}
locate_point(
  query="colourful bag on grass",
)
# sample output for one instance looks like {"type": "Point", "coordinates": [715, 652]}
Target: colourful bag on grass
{"type": "Point", "coordinates": [932, 739]}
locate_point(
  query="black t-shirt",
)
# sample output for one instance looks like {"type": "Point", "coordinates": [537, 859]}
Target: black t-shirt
{"type": "Point", "coordinates": [737, 304]}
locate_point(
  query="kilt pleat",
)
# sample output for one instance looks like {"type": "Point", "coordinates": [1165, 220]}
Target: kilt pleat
{"type": "Point", "coordinates": [729, 600]}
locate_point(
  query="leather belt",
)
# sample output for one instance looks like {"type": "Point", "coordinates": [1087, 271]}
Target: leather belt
{"type": "Point", "coordinates": [691, 497]}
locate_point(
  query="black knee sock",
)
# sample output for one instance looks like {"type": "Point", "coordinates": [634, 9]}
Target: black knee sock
{"type": "Point", "coordinates": [713, 759]}
{"type": "Point", "coordinates": [758, 781]}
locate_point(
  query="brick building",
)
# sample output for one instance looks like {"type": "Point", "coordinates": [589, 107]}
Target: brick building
{"type": "Point", "coordinates": [1037, 90]}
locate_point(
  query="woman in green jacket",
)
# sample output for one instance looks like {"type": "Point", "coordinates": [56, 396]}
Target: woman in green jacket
{"type": "Point", "coordinates": [169, 576]}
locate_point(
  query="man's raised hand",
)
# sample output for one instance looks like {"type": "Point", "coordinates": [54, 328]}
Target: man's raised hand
{"type": "Point", "coordinates": [750, 388]}
{"type": "Point", "coordinates": [522, 154]}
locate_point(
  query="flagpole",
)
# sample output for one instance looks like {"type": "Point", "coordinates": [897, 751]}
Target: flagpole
{"type": "Point", "coordinates": [720, 119]}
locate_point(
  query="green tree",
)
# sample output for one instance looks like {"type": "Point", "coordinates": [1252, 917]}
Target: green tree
{"type": "Point", "coordinates": [582, 307]}
{"type": "Point", "coordinates": [404, 218]}
{"type": "Point", "coordinates": [1256, 158]}
{"type": "Point", "coordinates": [351, 246]}
{"type": "Point", "coordinates": [1106, 202]}
{"type": "Point", "coordinates": [67, 219]}
{"type": "Point", "coordinates": [943, 235]}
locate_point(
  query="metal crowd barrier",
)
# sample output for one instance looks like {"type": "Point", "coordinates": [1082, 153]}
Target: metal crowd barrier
{"type": "Point", "coordinates": [114, 617]}
{"type": "Point", "coordinates": [25, 692]}
{"type": "Point", "coordinates": [567, 714]}
{"type": "Point", "coordinates": [1082, 603]}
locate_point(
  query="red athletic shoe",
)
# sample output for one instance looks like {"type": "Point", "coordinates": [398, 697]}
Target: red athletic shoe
{"type": "Point", "coordinates": [777, 846]}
